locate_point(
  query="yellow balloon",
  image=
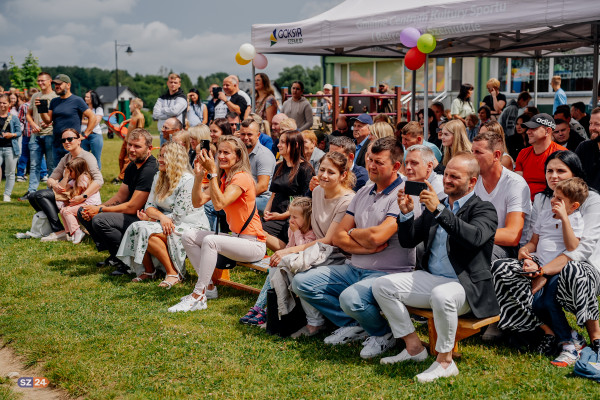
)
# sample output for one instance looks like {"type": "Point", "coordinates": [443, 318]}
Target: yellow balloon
{"type": "Point", "coordinates": [240, 60]}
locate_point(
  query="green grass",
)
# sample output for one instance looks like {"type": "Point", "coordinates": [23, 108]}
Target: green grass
{"type": "Point", "coordinates": [102, 337]}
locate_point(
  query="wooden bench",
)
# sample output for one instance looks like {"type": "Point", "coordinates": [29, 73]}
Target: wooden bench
{"type": "Point", "coordinates": [223, 277]}
{"type": "Point", "coordinates": [467, 326]}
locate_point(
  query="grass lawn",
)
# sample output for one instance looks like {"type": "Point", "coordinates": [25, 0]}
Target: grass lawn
{"type": "Point", "coordinates": [102, 337]}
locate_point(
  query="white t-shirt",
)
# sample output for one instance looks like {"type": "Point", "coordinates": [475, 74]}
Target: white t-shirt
{"type": "Point", "coordinates": [511, 194]}
{"type": "Point", "coordinates": [99, 112]}
{"type": "Point", "coordinates": [551, 242]}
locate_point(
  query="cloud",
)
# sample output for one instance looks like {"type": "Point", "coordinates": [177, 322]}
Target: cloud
{"type": "Point", "coordinates": [61, 10]}
{"type": "Point", "coordinates": [314, 8]}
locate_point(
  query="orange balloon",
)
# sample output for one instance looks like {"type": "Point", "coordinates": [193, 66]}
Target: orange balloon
{"type": "Point", "coordinates": [240, 60]}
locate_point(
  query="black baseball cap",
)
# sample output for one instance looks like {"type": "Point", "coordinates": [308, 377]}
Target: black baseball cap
{"type": "Point", "coordinates": [538, 120]}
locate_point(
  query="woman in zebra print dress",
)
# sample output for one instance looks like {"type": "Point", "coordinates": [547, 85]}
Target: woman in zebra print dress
{"type": "Point", "coordinates": [571, 280]}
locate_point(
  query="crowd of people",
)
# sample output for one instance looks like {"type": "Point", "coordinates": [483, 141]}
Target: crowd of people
{"type": "Point", "coordinates": [496, 214]}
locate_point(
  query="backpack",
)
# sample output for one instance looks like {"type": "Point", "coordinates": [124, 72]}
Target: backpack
{"type": "Point", "coordinates": [40, 227]}
{"type": "Point", "coordinates": [588, 365]}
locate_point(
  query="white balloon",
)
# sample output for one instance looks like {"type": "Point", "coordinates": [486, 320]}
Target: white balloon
{"type": "Point", "coordinates": [247, 51]}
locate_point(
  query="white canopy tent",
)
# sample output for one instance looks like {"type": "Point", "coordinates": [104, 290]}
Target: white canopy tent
{"type": "Point", "coordinates": [516, 28]}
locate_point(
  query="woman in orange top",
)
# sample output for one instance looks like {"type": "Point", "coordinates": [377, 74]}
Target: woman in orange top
{"type": "Point", "coordinates": [232, 190]}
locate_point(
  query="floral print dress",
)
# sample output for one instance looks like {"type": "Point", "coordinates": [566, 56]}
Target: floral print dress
{"type": "Point", "coordinates": [178, 206]}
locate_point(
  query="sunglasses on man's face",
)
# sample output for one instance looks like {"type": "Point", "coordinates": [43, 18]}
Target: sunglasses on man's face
{"type": "Point", "coordinates": [69, 139]}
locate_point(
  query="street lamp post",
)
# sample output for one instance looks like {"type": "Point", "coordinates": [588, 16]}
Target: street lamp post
{"type": "Point", "coordinates": [129, 51]}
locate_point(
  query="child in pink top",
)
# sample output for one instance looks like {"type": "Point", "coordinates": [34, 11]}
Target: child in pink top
{"type": "Point", "coordinates": [78, 177]}
{"type": "Point", "coordinates": [299, 232]}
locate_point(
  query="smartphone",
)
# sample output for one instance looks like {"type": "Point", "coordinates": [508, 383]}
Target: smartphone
{"type": "Point", "coordinates": [43, 107]}
{"type": "Point", "coordinates": [414, 188]}
{"type": "Point", "coordinates": [205, 144]}
{"type": "Point", "coordinates": [216, 92]}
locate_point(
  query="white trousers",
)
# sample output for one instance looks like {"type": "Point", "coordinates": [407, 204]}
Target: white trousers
{"type": "Point", "coordinates": [203, 247]}
{"type": "Point", "coordinates": [444, 296]}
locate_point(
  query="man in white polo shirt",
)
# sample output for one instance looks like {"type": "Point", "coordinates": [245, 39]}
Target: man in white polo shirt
{"type": "Point", "coordinates": [369, 233]}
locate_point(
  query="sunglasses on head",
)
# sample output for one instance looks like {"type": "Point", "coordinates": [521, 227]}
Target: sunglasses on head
{"type": "Point", "coordinates": [69, 139]}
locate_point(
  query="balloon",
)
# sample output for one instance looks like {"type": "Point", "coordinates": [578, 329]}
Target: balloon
{"type": "Point", "coordinates": [247, 51]}
{"type": "Point", "coordinates": [426, 43]}
{"type": "Point", "coordinates": [240, 60]}
{"type": "Point", "coordinates": [414, 59]}
{"type": "Point", "coordinates": [260, 61]}
{"type": "Point", "coordinates": [409, 37]}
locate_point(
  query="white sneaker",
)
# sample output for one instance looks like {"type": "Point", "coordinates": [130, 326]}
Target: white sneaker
{"type": "Point", "coordinates": [346, 334]}
{"type": "Point", "coordinates": [6, 198]}
{"type": "Point", "coordinates": [212, 293]}
{"type": "Point", "coordinates": [436, 371]}
{"type": "Point", "coordinates": [78, 236]}
{"type": "Point", "coordinates": [404, 356]}
{"type": "Point", "coordinates": [21, 235]}
{"type": "Point", "coordinates": [189, 303]}
{"type": "Point", "coordinates": [375, 345]}
{"type": "Point", "coordinates": [54, 237]}
{"type": "Point", "coordinates": [21, 179]}
{"type": "Point", "coordinates": [45, 179]}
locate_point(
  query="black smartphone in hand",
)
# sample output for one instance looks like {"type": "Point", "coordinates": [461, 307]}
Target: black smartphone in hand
{"type": "Point", "coordinates": [205, 145]}
{"type": "Point", "coordinates": [414, 188]}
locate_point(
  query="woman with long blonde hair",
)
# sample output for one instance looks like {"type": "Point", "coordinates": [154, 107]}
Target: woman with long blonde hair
{"type": "Point", "coordinates": [231, 189]}
{"type": "Point", "coordinates": [454, 140]}
{"type": "Point", "coordinates": [155, 241]}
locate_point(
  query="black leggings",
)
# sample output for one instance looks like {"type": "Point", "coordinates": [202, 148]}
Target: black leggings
{"type": "Point", "coordinates": [44, 200]}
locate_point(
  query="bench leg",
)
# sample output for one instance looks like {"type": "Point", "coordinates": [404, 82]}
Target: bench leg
{"type": "Point", "coordinates": [461, 333]}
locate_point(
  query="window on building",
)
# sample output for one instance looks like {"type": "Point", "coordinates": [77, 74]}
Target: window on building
{"type": "Point", "coordinates": [361, 77]}
{"type": "Point", "coordinates": [390, 72]}
{"type": "Point", "coordinates": [576, 72]}
{"type": "Point", "coordinates": [456, 74]}
{"type": "Point", "coordinates": [344, 73]}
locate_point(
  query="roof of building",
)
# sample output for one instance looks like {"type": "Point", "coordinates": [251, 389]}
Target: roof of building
{"type": "Point", "coordinates": [107, 93]}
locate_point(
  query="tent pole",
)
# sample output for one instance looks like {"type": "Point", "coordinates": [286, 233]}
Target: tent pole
{"type": "Point", "coordinates": [426, 100]}
{"type": "Point", "coordinates": [535, 82]}
{"type": "Point", "coordinates": [595, 74]}
{"type": "Point", "coordinates": [253, 94]}
{"type": "Point", "coordinates": [413, 103]}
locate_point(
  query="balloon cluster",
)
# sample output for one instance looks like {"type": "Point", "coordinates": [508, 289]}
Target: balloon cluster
{"type": "Point", "coordinates": [248, 53]}
{"type": "Point", "coordinates": [419, 45]}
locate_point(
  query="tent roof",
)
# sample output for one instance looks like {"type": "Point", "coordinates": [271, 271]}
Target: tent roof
{"type": "Point", "coordinates": [462, 28]}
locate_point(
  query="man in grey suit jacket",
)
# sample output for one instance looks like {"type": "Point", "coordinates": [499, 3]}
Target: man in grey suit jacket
{"type": "Point", "coordinates": [459, 238]}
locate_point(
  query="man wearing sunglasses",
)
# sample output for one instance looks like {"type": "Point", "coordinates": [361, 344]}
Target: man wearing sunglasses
{"type": "Point", "coordinates": [66, 111]}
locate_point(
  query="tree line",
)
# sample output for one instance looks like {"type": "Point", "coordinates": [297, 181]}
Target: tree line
{"type": "Point", "coordinates": [147, 87]}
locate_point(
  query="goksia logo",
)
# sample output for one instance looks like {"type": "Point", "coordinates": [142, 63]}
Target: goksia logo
{"type": "Point", "coordinates": [293, 36]}
{"type": "Point", "coordinates": [274, 37]}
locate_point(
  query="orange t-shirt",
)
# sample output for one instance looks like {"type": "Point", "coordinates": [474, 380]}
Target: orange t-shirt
{"type": "Point", "coordinates": [238, 212]}
{"type": "Point", "coordinates": [532, 166]}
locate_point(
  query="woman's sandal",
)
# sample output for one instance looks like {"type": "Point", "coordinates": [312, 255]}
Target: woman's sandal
{"type": "Point", "coordinates": [168, 285]}
{"type": "Point", "coordinates": [150, 276]}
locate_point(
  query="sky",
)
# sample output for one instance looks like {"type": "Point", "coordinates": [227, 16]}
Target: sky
{"type": "Point", "coordinates": [198, 37]}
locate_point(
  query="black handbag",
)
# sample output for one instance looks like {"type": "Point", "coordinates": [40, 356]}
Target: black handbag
{"type": "Point", "coordinates": [226, 262]}
{"type": "Point", "coordinates": [289, 323]}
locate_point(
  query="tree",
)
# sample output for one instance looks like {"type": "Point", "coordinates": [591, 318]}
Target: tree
{"type": "Point", "coordinates": [310, 77]}
{"type": "Point", "coordinates": [24, 77]}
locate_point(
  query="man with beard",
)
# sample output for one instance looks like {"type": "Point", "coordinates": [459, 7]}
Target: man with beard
{"type": "Point", "coordinates": [262, 161]}
{"type": "Point", "coordinates": [65, 111]}
{"type": "Point", "coordinates": [108, 222]}
{"type": "Point", "coordinates": [230, 99]}
{"type": "Point", "coordinates": [455, 278]}
{"type": "Point", "coordinates": [589, 151]}
{"type": "Point", "coordinates": [171, 104]}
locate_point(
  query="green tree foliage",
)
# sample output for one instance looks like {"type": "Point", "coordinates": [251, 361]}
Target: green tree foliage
{"type": "Point", "coordinates": [311, 77]}
{"type": "Point", "coordinates": [25, 76]}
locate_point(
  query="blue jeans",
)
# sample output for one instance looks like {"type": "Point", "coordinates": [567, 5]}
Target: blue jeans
{"type": "Point", "coordinates": [94, 144]}
{"type": "Point", "coordinates": [8, 158]}
{"type": "Point", "coordinates": [342, 293]}
{"type": "Point", "coordinates": [547, 309]}
{"type": "Point", "coordinates": [24, 159]}
{"type": "Point", "coordinates": [40, 146]}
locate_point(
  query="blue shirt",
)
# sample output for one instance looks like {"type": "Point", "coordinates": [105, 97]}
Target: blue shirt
{"type": "Point", "coordinates": [560, 98]}
{"type": "Point", "coordinates": [439, 263]}
{"type": "Point", "coordinates": [66, 113]}
{"type": "Point", "coordinates": [266, 141]}
{"type": "Point", "coordinates": [359, 146]}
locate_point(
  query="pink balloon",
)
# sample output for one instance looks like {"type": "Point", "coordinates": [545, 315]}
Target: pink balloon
{"type": "Point", "coordinates": [414, 59]}
{"type": "Point", "coordinates": [409, 37]}
{"type": "Point", "coordinates": [260, 61]}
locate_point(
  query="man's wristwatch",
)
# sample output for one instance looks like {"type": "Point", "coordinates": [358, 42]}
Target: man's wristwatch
{"type": "Point", "coordinates": [210, 176]}
{"type": "Point", "coordinates": [438, 210]}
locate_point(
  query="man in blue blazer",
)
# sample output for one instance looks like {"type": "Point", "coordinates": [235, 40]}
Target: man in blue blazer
{"type": "Point", "coordinates": [455, 279]}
